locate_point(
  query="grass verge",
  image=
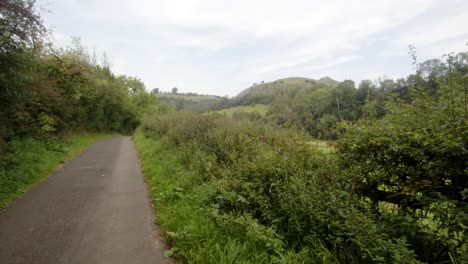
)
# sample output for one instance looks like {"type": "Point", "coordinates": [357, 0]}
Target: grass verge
{"type": "Point", "coordinates": [189, 223]}
{"type": "Point", "coordinates": [27, 161]}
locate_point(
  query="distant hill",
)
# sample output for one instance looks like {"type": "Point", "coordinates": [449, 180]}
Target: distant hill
{"type": "Point", "coordinates": [266, 93]}
{"type": "Point", "coordinates": [329, 81]}
{"type": "Point", "coordinates": [193, 102]}
{"type": "Point", "coordinates": [260, 94]}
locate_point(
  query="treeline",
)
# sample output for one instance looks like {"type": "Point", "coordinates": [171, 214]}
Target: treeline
{"type": "Point", "coordinates": [176, 92]}
{"type": "Point", "coordinates": [197, 103]}
{"type": "Point", "coordinates": [47, 91]}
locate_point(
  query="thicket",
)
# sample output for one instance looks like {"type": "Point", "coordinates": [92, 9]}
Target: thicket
{"type": "Point", "coordinates": [412, 163]}
{"type": "Point", "coordinates": [266, 186]}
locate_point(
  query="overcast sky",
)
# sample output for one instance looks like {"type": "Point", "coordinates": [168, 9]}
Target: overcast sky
{"type": "Point", "coordinates": [221, 47]}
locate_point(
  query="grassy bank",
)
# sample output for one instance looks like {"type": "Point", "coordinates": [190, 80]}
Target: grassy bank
{"type": "Point", "coordinates": [180, 204]}
{"type": "Point", "coordinates": [27, 161]}
{"type": "Point", "coordinates": [196, 230]}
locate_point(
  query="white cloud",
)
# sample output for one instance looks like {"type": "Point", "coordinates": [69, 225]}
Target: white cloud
{"type": "Point", "coordinates": [207, 44]}
{"type": "Point", "coordinates": [435, 31]}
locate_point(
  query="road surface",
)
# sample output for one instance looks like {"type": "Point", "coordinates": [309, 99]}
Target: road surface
{"type": "Point", "coordinates": [93, 210]}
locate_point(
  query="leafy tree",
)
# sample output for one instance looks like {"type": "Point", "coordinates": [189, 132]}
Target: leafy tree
{"type": "Point", "coordinates": [20, 30]}
{"type": "Point", "coordinates": [346, 105]}
{"type": "Point", "coordinates": [134, 85]}
{"type": "Point", "coordinates": [415, 158]}
{"type": "Point", "coordinates": [366, 92]}
{"type": "Point", "coordinates": [281, 112]}
{"type": "Point", "coordinates": [20, 25]}
{"type": "Point", "coordinates": [402, 90]}
{"type": "Point", "coordinates": [432, 72]}
{"type": "Point", "coordinates": [327, 127]}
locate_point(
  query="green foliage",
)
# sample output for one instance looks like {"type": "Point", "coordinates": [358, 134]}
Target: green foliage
{"type": "Point", "coordinates": [27, 161]}
{"type": "Point", "coordinates": [327, 127]}
{"type": "Point", "coordinates": [314, 105]}
{"type": "Point", "coordinates": [180, 199]}
{"type": "Point", "coordinates": [20, 25]}
{"type": "Point", "coordinates": [302, 103]}
{"type": "Point", "coordinates": [394, 192]}
{"type": "Point", "coordinates": [264, 187]}
{"type": "Point", "coordinates": [414, 158]}
{"type": "Point", "coordinates": [190, 101]}
{"type": "Point", "coordinates": [63, 92]}
{"type": "Point", "coordinates": [258, 108]}
{"type": "Point", "coordinates": [47, 91]}
{"type": "Point", "coordinates": [267, 93]}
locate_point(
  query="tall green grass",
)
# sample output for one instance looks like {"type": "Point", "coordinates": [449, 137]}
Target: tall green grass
{"type": "Point", "coordinates": [27, 161]}
{"type": "Point", "coordinates": [192, 225]}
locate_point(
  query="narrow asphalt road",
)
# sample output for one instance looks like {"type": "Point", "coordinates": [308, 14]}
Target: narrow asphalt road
{"type": "Point", "coordinates": [93, 210]}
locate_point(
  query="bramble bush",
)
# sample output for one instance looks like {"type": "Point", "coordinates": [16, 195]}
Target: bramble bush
{"type": "Point", "coordinates": [277, 190]}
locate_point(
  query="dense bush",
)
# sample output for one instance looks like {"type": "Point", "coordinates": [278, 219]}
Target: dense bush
{"type": "Point", "coordinates": [414, 160]}
{"type": "Point", "coordinates": [269, 179]}
{"type": "Point", "coordinates": [63, 92]}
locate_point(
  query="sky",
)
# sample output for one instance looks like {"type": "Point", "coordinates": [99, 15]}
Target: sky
{"type": "Point", "coordinates": [221, 47]}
